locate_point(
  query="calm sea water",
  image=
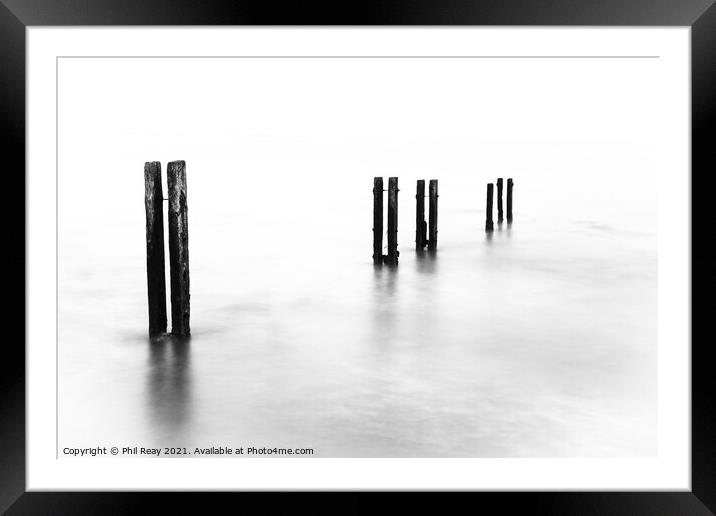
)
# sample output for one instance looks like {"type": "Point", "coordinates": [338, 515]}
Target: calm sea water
{"type": "Point", "coordinates": [536, 341]}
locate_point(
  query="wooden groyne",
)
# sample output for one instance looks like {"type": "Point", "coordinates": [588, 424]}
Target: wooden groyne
{"type": "Point", "coordinates": [510, 184]}
{"type": "Point", "coordinates": [178, 248]}
{"type": "Point", "coordinates": [489, 224]}
{"type": "Point", "coordinates": [154, 210]}
{"type": "Point", "coordinates": [433, 217]}
{"type": "Point", "coordinates": [500, 215]}
{"type": "Point", "coordinates": [178, 225]}
{"type": "Point", "coordinates": [421, 228]}
{"type": "Point", "coordinates": [393, 253]}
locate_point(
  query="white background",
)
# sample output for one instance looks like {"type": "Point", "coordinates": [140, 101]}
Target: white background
{"type": "Point", "coordinates": [665, 86]}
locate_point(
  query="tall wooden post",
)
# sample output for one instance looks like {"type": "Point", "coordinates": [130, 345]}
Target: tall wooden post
{"type": "Point", "coordinates": [509, 199]}
{"type": "Point", "coordinates": [433, 216]}
{"type": "Point", "coordinates": [420, 225]}
{"type": "Point", "coordinates": [499, 200]}
{"type": "Point", "coordinates": [377, 220]}
{"type": "Point", "coordinates": [393, 253]}
{"type": "Point", "coordinates": [156, 287]}
{"type": "Point", "coordinates": [489, 225]}
{"type": "Point", "coordinates": [178, 248]}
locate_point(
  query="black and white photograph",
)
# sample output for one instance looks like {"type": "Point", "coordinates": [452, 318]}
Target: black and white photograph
{"type": "Point", "coordinates": [451, 258]}
{"type": "Point", "coordinates": [356, 256]}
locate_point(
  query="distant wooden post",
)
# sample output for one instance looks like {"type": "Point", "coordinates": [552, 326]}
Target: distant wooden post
{"type": "Point", "coordinates": [378, 220]}
{"type": "Point", "coordinates": [509, 199]}
{"type": "Point", "coordinates": [499, 200]}
{"type": "Point", "coordinates": [178, 248]}
{"type": "Point", "coordinates": [420, 225]}
{"type": "Point", "coordinates": [489, 225]}
{"type": "Point", "coordinates": [433, 216]}
{"type": "Point", "coordinates": [156, 287]}
{"type": "Point", "coordinates": [393, 253]}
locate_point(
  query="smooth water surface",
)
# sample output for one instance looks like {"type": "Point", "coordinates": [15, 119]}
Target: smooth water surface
{"type": "Point", "coordinates": [536, 340]}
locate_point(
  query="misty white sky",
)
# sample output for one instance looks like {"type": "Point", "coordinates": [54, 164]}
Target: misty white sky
{"type": "Point", "coordinates": [299, 138]}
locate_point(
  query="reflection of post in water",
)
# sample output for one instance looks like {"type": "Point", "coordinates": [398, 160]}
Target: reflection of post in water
{"type": "Point", "coordinates": [385, 283]}
{"type": "Point", "coordinates": [169, 382]}
{"type": "Point", "coordinates": [426, 263]}
{"type": "Point", "coordinates": [425, 318]}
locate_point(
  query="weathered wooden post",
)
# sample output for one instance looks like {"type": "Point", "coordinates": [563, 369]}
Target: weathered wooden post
{"type": "Point", "coordinates": [433, 216]}
{"type": "Point", "coordinates": [378, 220]}
{"type": "Point", "coordinates": [499, 200]}
{"type": "Point", "coordinates": [420, 225]}
{"type": "Point", "coordinates": [489, 225]}
{"type": "Point", "coordinates": [393, 253]}
{"type": "Point", "coordinates": [509, 199]}
{"type": "Point", "coordinates": [178, 248]}
{"type": "Point", "coordinates": [156, 287]}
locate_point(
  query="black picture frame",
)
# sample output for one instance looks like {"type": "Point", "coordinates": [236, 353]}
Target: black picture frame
{"type": "Point", "coordinates": [700, 15]}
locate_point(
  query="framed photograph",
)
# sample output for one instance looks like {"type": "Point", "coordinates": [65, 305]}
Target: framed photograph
{"type": "Point", "coordinates": [415, 248]}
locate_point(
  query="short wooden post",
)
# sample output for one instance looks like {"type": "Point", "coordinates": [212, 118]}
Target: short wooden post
{"type": "Point", "coordinates": [509, 199]}
{"type": "Point", "coordinates": [377, 220]}
{"type": "Point", "coordinates": [156, 287]}
{"type": "Point", "coordinates": [433, 216]}
{"type": "Point", "coordinates": [393, 253]}
{"type": "Point", "coordinates": [489, 225]}
{"type": "Point", "coordinates": [178, 248]}
{"type": "Point", "coordinates": [499, 200]}
{"type": "Point", "coordinates": [420, 225]}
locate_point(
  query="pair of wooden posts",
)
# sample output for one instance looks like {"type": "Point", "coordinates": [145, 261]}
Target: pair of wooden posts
{"type": "Point", "coordinates": [489, 225]}
{"type": "Point", "coordinates": [423, 235]}
{"type": "Point", "coordinates": [178, 247]}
